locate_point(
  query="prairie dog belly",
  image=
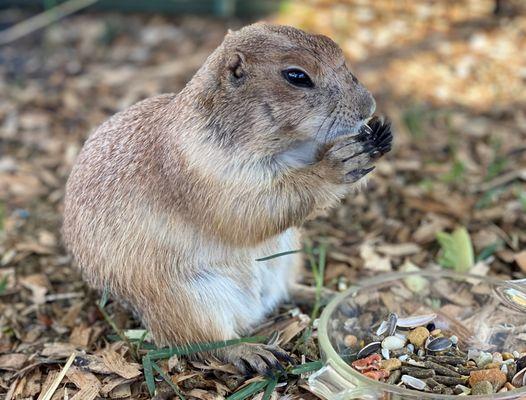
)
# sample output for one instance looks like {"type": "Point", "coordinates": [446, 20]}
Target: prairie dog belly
{"type": "Point", "coordinates": [278, 274]}
{"type": "Point", "coordinates": [242, 303]}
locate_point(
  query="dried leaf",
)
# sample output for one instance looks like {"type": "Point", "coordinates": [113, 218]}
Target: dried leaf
{"type": "Point", "coordinates": [111, 383]}
{"type": "Point", "coordinates": [58, 350]}
{"type": "Point", "coordinates": [372, 260]}
{"type": "Point", "coordinates": [82, 379]}
{"type": "Point", "coordinates": [520, 259]}
{"type": "Point", "coordinates": [398, 250]}
{"type": "Point", "coordinates": [80, 336]}
{"type": "Point", "coordinates": [12, 362]}
{"type": "Point", "coordinates": [118, 365]}
{"type": "Point", "coordinates": [87, 393]}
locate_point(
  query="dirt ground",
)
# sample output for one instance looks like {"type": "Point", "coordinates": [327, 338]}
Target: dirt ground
{"type": "Point", "coordinates": [450, 75]}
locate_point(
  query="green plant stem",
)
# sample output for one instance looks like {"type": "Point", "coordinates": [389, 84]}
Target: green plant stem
{"type": "Point", "coordinates": [119, 332]}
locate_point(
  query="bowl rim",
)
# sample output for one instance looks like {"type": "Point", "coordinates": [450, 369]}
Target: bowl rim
{"type": "Point", "coordinates": [346, 370]}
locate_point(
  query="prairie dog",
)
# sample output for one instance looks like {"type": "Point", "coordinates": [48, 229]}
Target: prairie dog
{"type": "Point", "coordinates": [172, 200]}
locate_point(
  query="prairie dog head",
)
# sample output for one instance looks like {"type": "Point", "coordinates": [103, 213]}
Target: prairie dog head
{"type": "Point", "coordinates": [271, 88]}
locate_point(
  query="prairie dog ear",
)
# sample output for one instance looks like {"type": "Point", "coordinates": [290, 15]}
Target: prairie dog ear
{"type": "Point", "coordinates": [236, 65]}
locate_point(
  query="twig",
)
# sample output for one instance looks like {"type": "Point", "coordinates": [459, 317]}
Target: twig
{"type": "Point", "coordinates": [42, 20]}
{"type": "Point", "coordinates": [58, 379]}
{"type": "Point", "coordinates": [63, 296]}
{"type": "Point", "coordinates": [502, 180]}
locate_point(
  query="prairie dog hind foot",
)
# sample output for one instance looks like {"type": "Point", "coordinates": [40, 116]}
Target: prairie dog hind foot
{"type": "Point", "coordinates": [255, 357]}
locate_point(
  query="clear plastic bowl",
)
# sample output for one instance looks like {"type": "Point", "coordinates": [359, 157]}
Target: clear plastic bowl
{"type": "Point", "coordinates": [485, 313]}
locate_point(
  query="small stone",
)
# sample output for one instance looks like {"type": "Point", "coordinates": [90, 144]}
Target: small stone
{"type": "Point", "coordinates": [461, 389]}
{"type": "Point", "coordinates": [418, 336]}
{"type": "Point", "coordinates": [483, 359]}
{"type": "Point", "coordinates": [497, 358]}
{"type": "Point", "coordinates": [507, 356]}
{"type": "Point", "coordinates": [393, 343]}
{"type": "Point", "coordinates": [391, 364]}
{"type": "Point", "coordinates": [495, 376]}
{"type": "Point", "coordinates": [436, 332]}
{"type": "Point", "coordinates": [410, 348]}
{"type": "Point", "coordinates": [473, 354]}
{"type": "Point", "coordinates": [516, 354]}
{"type": "Point", "coordinates": [493, 365]}
{"type": "Point", "coordinates": [454, 339]}
{"type": "Point", "coordinates": [350, 341]}
{"type": "Point", "coordinates": [481, 388]}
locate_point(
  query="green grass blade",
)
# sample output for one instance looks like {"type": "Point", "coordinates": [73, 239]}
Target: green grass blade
{"type": "Point", "coordinates": [319, 275]}
{"type": "Point", "coordinates": [270, 388]}
{"type": "Point", "coordinates": [3, 284]}
{"type": "Point", "coordinates": [104, 298]}
{"type": "Point", "coordinates": [489, 250]}
{"type": "Point", "coordinates": [200, 347]}
{"type": "Point", "coordinates": [248, 390]}
{"type": "Point", "coordinates": [169, 382]}
{"type": "Point", "coordinates": [148, 374]}
{"type": "Point", "coordinates": [306, 368]}
{"type": "Point", "coordinates": [285, 253]}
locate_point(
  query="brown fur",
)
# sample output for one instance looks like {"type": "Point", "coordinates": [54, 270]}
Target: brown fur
{"type": "Point", "coordinates": [181, 189]}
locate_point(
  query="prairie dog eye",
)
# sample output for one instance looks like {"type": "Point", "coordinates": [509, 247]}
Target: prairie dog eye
{"type": "Point", "coordinates": [297, 77]}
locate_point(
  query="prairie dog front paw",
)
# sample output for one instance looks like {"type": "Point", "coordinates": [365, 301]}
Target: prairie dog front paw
{"type": "Point", "coordinates": [351, 157]}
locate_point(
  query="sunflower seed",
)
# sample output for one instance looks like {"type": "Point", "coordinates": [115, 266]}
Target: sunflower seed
{"type": "Point", "coordinates": [392, 322]}
{"type": "Point", "coordinates": [412, 382]}
{"type": "Point", "coordinates": [521, 363]}
{"type": "Point", "coordinates": [369, 349]}
{"type": "Point", "coordinates": [439, 344]}
{"type": "Point", "coordinates": [416, 321]}
{"type": "Point", "coordinates": [519, 379]}
{"type": "Point", "coordinates": [382, 328]}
